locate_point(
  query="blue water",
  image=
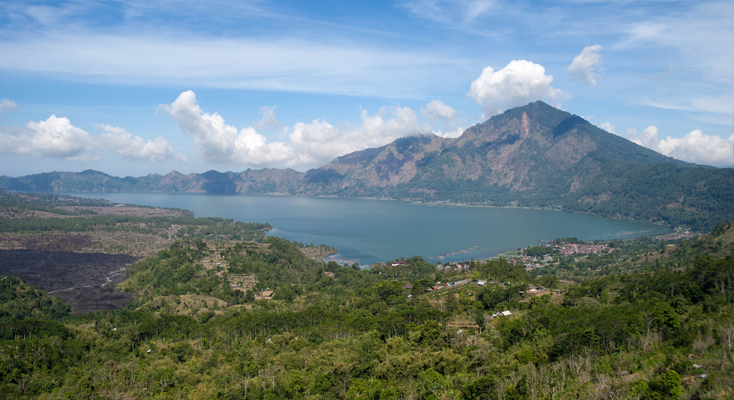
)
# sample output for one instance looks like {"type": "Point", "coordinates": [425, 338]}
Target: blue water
{"type": "Point", "coordinates": [368, 231]}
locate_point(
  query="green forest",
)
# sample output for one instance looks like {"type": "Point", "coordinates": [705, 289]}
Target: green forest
{"type": "Point", "coordinates": [258, 319]}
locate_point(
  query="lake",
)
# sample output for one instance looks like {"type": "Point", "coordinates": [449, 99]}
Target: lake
{"type": "Point", "coordinates": [368, 231]}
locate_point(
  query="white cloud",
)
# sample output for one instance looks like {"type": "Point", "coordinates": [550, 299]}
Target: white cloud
{"type": "Point", "coordinates": [215, 141]}
{"type": "Point", "coordinates": [437, 110]}
{"type": "Point", "coordinates": [310, 144]}
{"type": "Point", "coordinates": [690, 33]}
{"type": "Point", "coordinates": [608, 126]}
{"type": "Point", "coordinates": [133, 147]}
{"type": "Point", "coordinates": [57, 138]}
{"type": "Point", "coordinates": [695, 146]}
{"type": "Point", "coordinates": [450, 134]}
{"type": "Point", "coordinates": [269, 120]}
{"type": "Point", "coordinates": [7, 105]}
{"type": "Point", "coordinates": [723, 104]}
{"type": "Point", "coordinates": [517, 84]}
{"type": "Point", "coordinates": [299, 65]}
{"type": "Point", "coordinates": [320, 142]}
{"type": "Point", "coordinates": [449, 11]}
{"type": "Point", "coordinates": [587, 64]}
{"type": "Point", "coordinates": [54, 137]}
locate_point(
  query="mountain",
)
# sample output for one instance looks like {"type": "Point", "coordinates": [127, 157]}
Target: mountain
{"type": "Point", "coordinates": [530, 156]}
{"type": "Point", "coordinates": [528, 152]}
{"type": "Point", "coordinates": [536, 156]}
{"type": "Point", "coordinates": [270, 181]}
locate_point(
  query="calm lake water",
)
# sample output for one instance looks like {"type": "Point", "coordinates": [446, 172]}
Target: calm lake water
{"type": "Point", "coordinates": [368, 231]}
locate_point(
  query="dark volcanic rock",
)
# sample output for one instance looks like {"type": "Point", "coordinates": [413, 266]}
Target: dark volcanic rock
{"type": "Point", "coordinates": [86, 280]}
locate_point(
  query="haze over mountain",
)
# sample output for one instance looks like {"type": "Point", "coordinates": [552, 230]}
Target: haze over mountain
{"type": "Point", "coordinates": [535, 155]}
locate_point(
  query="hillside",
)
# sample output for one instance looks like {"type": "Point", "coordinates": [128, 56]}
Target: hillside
{"type": "Point", "coordinates": [198, 329]}
{"type": "Point", "coordinates": [531, 156]}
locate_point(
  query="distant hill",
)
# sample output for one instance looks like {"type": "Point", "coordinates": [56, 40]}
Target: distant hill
{"type": "Point", "coordinates": [271, 181]}
{"type": "Point", "coordinates": [531, 156]}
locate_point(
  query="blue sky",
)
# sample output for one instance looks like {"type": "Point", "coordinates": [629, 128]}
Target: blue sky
{"type": "Point", "coordinates": [129, 87]}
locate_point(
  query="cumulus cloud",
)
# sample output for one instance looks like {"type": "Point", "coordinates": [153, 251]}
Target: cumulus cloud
{"type": "Point", "coordinates": [269, 120]}
{"type": "Point", "coordinates": [6, 104]}
{"type": "Point", "coordinates": [437, 110]}
{"type": "Point", "coordinates": [215, 141]}
{"type": "Point", "coordinates": [319, 141]}
{"type": "Point", "coordinates": [54, 137]}
{"type": "Point", "coordinates": [450, 134]}
{"type": "Point", "coordinates": [695, 147]}
{"type": "Point", "coordinates": [608, 126]}
{"type": "Point", "coordinates": [57, 138]}
{"type": "Point", "coordinates": [439, 113]}
{"type": "Point", "coordinates": [311, 144]}
{"type": "Point", "coordinates": [133, 147]}
{"type": "Point", "coordinates": [517, 84]}
{"type": "Point", "coordinates": [587, 65]}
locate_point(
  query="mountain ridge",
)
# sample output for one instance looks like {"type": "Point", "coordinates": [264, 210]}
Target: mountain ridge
{"type": "Point", "coordinates": [532, 156]}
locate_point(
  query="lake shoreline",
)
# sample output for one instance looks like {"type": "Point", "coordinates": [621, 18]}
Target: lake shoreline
{"type": "Point", "coordinates": [416, 202]}
{"type": "Point", "coordinates": [378, 231]}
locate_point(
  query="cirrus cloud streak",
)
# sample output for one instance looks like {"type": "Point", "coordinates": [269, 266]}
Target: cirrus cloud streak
{"type": "Point", "coordinates": [238, 63]}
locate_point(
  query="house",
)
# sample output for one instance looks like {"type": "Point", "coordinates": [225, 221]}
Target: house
{"type": "Point", "coordinates": [399, 264]}
{"type": "Point", "coordinates": [329, 274]}
{"type": "Point", "coordinates": [408, 286]}
{"type": "Point", "coordinates": [506, 313]}
{"type": "Point", "coordinates": [481, 283]}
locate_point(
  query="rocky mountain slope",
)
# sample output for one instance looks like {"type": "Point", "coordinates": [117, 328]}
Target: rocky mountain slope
{"type": "Point", "coordinates": [530, 149]}
{"type": "Point", "coordinates": [535, 156]}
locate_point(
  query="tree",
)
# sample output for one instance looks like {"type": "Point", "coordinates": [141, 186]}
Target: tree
{"type": "Point", "coordinates": [430, 382]}
{"type": "Point", "coordinates": [451, 303]}
{"type": "Point", "coordinates": [668, 386]}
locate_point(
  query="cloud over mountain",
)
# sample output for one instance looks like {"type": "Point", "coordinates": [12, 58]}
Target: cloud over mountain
{"type": "Point", "coordinates": [310, 144]}
{"type": "Point", "coordinates": [436, 110]}
{"type": "Point", "coordinates": [695, 146]}
{"type": "Point", "coordinates": [133, 147]}
{"type": "Point", "coordinates": [518, 83]}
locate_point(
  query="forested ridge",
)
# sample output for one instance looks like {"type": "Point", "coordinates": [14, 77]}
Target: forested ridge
{"type": "Point", "coordinates": [651, 320]}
